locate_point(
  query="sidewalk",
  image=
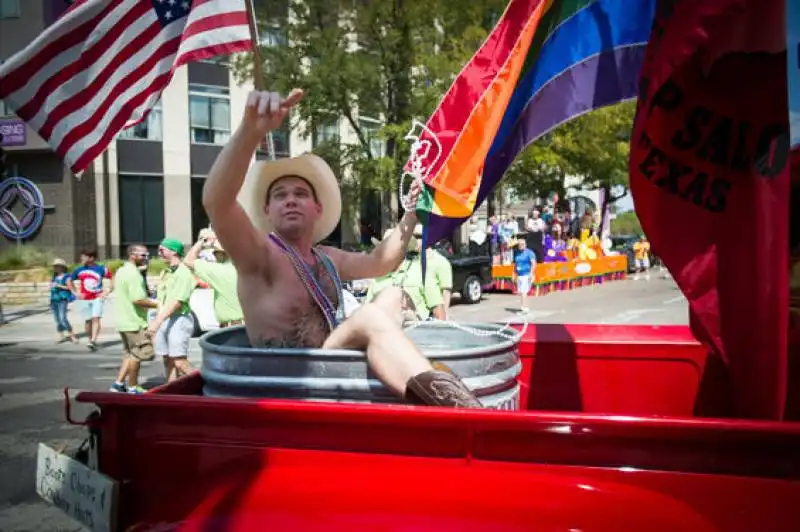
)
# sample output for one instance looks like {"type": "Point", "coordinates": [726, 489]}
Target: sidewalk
{"type": "Point", "coordinates": [33, 329]}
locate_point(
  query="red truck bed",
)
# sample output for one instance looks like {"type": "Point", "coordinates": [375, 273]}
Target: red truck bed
{"type": "Point", "coordinates": [188, 462]}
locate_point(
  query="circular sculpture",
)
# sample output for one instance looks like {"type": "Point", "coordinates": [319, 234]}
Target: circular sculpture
{"type": "Point", "coordinates": [22, 191]}
{"type": "Point", "coordinates": [489, 366]}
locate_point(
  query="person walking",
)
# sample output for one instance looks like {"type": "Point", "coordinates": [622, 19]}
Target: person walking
{"type": "Point", "coordinates": [60, 297]}
{"type": "Point", "coordinates": [173, 326]}
{"type": "Point", "coordinates": [524, 268]}
{"type": "Point", "coordinates": [91, 292]}
{"type": "Point", "coordinates": [132, 303]}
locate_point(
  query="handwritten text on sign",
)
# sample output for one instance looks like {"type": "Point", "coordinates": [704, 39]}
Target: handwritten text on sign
{"type": "Point", "coordinates": [86, 495]}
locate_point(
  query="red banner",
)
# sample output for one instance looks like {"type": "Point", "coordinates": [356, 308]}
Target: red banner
{"type": "Point", "coordinates": [710, 180]}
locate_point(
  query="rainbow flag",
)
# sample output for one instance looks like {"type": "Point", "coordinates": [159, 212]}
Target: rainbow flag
{"type": "Point", "coordinates": [545, 62]}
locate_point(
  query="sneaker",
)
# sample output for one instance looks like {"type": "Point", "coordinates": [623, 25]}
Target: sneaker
{"type": "Point", "coordinates": [91, 345]}
{"type": "Point", "coordinates": [136, 390]}
{"type": "Point", "coordinates": [118, 387]}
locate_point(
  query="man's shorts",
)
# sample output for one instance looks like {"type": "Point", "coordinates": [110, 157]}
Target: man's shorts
{"type": "Point", "coordinates": [137, 345]}
{"type": "Point", "coordinates": [172, 338]}
{"type": "Point", "coordinates": [92, 308]}
{"type": "Point", "coordinates": [643, 263]}
{"type": "Point", "coordinates": [523, 284]}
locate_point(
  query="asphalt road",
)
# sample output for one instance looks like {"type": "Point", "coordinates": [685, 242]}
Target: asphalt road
{"type": "Point", "coordinates": [34, 371]}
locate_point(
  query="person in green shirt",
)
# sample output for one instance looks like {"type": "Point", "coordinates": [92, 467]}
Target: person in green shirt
{"type": "Point", "coordinates": [422, 300]}
{"type": "Point", "coordinates": [221, 278]}
{"type": "Point", "coordinates": [131, 304]}
{"type": "Point", "coordinates": [440, 270]}
{"type": "Point", "coordinates": [173, 326]}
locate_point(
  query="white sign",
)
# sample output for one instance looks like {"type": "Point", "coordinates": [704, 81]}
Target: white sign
{"type": "Point", "coordinates": [583, 268]}
{"type": "Point", "coordinates": [86, 495]}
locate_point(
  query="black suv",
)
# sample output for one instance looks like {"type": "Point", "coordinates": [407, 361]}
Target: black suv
{"type": "Point", "coordinates": [470, 272]}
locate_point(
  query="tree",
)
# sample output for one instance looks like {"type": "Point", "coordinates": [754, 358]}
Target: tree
{"type": "Point", "coordinates": [537, 171]}
{"type": "Point", "coordinates": [385, 59]}
{"type": "Point", "coordinates": [593, 147]}
{"type": "Point", "coordinates": [626, 223]}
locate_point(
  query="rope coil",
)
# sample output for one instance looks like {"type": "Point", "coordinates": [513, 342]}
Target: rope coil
{"type": "Point", "coordinates": [416, 170]}
{"type": "Point", "coordinates": [505, 332]}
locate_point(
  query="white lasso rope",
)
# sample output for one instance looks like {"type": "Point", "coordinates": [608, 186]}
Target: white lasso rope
{"type": "Point", "coordinates": [505, 332]}
{"type": "Point", "coordinates": [416, 171]}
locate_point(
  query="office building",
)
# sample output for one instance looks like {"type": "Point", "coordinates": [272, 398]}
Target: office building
{"type": "Point", "coordinates": [149, 181]}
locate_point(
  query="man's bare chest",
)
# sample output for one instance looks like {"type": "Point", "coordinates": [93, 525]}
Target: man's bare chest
{"type": "Point", "coordinates": [288, 314]}
{"type": "Point", "coordinates": [300, 281]}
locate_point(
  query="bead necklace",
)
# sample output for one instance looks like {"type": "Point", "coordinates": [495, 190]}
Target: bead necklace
{"type": "Point", "coordinates": [333, 315]}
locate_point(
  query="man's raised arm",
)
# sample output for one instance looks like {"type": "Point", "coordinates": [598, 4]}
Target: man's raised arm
{"type": "Point", "coordinates": [263, 112]}
{"type": "Point", "coordinates": [386, 256]}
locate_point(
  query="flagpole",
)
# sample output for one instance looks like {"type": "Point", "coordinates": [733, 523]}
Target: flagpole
{"type": "Point", "coordinates": [258, 70]}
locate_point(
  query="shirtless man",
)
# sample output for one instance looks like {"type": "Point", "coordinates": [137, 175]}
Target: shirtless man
{"type": "Point", "coordinates": [291, 205]}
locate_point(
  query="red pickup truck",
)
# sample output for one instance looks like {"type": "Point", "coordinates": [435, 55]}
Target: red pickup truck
{"type": "Point", "coordinates": [605, 439]}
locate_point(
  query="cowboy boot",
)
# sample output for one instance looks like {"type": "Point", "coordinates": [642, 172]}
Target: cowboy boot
{"type": "Point", "coordinates": [440, 388]}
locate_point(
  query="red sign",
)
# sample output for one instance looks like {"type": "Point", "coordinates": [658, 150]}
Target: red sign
{"type": "Point", "coordinates": [710, 179]}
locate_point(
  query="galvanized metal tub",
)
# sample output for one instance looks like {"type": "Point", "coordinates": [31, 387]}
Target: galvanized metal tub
{"type": "Point", "coordinates": [488, 365]}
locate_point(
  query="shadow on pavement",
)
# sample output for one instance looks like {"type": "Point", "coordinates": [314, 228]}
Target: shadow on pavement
{"type": "Point", "coordinates": [108, 343]}
{"type": "Point", "coordinates": [153, 382]}
{"type": "Point", "coordinates": [10, 316]}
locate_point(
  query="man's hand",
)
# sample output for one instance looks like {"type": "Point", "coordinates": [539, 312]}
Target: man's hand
{"type": "Point", "coordinates": [266, 111]}
{"type": "Point", "coordinates": [414, 192]}
{"type": "Point", "coordinates": [152, 329]}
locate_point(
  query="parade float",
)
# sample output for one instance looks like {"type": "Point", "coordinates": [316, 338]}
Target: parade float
{"type": "Point", "coordinates": [611, 427]}
{"type": "Point", "coordinates": [565, 267]}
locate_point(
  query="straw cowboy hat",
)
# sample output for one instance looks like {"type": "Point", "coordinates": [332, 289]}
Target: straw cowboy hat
{"type": "Point", "coordinates": [263, 174]}
{"type": "Point", "coordinates": [60, 262]}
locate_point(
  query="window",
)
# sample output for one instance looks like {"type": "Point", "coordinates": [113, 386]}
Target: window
{"type": "Point", "coordinates": [209, 114]}
{"type": "Point", "coordinates": [327, 131]}
{"type": "Point", "coordinates": [223, 60]}
{"type": "Point", "coordinates": [371, 128]}
{"type": "Point", "coordinates": [148, 129]}
{"type": "Point", "coordinates": [9, 9]}
{"type": "Point", "coordinates": [272, 36]}
{"type": "Point", "coordinates": [141, 210]}
{"type": "Point", "coordinates": [281, 143]}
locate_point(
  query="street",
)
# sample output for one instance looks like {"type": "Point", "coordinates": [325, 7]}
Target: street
{"type": "Point", "coordinates": [34, 371]}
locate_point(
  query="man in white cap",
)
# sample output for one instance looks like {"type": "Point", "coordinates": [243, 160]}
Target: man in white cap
{"type": "Point", "coordinates": [289, 287]}
{"type": "Point", "coordinates": [220, 275]}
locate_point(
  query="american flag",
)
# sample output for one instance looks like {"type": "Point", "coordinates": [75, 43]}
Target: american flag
{"type": "Point", "coordinates": [103, 65]}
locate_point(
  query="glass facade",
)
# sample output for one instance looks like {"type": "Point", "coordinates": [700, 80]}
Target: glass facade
{"type": "Point", "coordinates": [209, 114]}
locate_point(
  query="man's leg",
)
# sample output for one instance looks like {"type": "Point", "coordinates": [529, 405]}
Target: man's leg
{"type": "Point", "coordinates": [161, 345]}
{"type": "Point", "coordinates": [134, 365]}
{"type": "Point", "coordinates": [95, 329]}
{"type": "Point", "coordinates": [122, 376]}
{"type": "Point", "coordinates": [523, 286]}
{"type": "Point", "coordinates": [179, 337]}
{"type": "Point", "coordinates": [397, 362]}
{"type": "Point", "coordinates": [119, 385]}
{"type": "Point", "coordinates": [65, 321]}
{"type": "Point", "coordinates": [170, 373]}
{"type": "Point", "coordinates": [54, 307]}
